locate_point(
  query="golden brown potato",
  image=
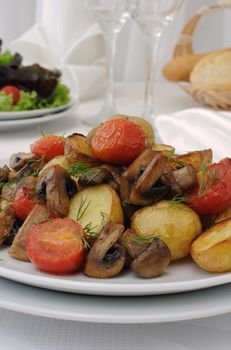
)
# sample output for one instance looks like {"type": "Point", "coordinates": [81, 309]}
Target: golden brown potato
{"type": "Point", "coordinates": [196, 158]}
{"type": "Point", "coordinates": [175, 223]}
{"type": "Point", "coordinates": [211, 250]}
{"type": "Point", "coordinates": [60, 160]}
{"type": "Point", "coordinates": [226, 214]}
{"type": "Point", "coordinates": [167, 150]}
{"type": "Point", "coordinates": [95, 206]}
{"type": "Point", "coordinates": [77, 149]}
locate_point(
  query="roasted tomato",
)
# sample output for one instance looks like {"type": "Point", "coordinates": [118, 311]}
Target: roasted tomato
{"type": "Point", "coordinates": [118, 141]}
{"type": "Point", "coordinates": [12, 90]}
{"type": "Point", "coordinates": [56, 246]}
{"type": "Point", "coordinates": [48, 146]}
{"type": "Point", "coordinates": [24, 201]}
{"type": "Point", "coordinates": [213, 193]}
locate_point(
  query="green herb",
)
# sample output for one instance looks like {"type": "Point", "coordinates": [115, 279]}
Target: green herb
{"type": "Point", "coordinates": [92, 231]}
{"type": "Point", "coordinates": [42, 132]}
{"type": "Point", "coordinates": [178, 162]}
{"type": "Point", "coordinates": [84, 204]}
{"type": "Point", "coordinates": [2, 184]}
{"type": "Point", "coordinates": [80, 169]}
{"type": "Point", "coordinates": [202, 180]}
{"type": "Point", "coordinates": [178, 200]}
{"type": "Point", "coordinates": [86, 244]}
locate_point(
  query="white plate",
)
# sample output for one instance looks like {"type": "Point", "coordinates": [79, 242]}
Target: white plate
{"type": "Point", "coordinates": [151, 309]}
{"type": "Point", "coordinates": [24, 123]}
{"type": "Point", "coordinates": [6, 116]}
{"type": "Point", "coordinates": [179, 277]}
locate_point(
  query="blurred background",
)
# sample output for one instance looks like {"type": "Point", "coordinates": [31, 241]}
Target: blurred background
{"type": "Point", "coordinates": [16, 17]}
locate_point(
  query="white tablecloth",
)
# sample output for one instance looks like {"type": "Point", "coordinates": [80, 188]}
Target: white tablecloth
{"type": "Point", "coordinates": [19, 331]}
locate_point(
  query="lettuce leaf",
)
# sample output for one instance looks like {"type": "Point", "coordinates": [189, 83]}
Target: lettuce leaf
{"type": "Point", "coordinates": [6, 57]}
{"type": "Point", "coordinates": [30, 100]}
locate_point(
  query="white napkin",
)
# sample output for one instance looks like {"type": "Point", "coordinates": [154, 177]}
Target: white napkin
{"type": "Point", "coordinates": [68, 39]}
{"type": "Point", "coordinates": [195, 129]}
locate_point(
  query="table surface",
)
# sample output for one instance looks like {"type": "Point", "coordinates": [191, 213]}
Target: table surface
{"type": "Point", "coordinates": [19, 331]}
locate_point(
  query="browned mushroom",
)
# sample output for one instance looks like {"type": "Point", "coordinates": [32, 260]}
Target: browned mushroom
{"type": "Point", "coordinates": [132, 243]}
{"type": "Point", "coordinates": [106, 258]}
{"type": "Point", "coordinates": [179, 180]}
{"type": "Point", "coordinates": [7, 218]}
{"type": "Point", "coordinates": [152, 261]}
{"type": "Point", "coordinates": [4, 173]}
{"type": "Point", "coordinates": [56, 187]}
{"type": "Point", "coordinates": [18, 160]}
{"type": "Point", "coordinates": [138, 166]}
{"type": "Point", "coordinates": [147, 189]}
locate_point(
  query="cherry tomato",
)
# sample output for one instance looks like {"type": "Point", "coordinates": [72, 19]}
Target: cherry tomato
{"type": "Point", "coordinates": [48, 146]}
{"type": "Point", "coordinates": [118, 141]}
{"type": "Point", "coordinates": [24, 201]}
{"type": "Point", "coordinates": [213, 194]}
{"type": "Point", "coordinates": [56, 246]}
{"type": "Point", "coordinates": [12, 90]}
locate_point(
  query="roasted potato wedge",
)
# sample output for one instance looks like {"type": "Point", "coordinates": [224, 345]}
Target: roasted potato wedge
{"type": "Point", "coordinates": [211, 250]}
{"type": "Point", "coordinates": [95, 206]}
{"type": "Point", "coordinates": [226, 214]}
{"type": "Point", "coordinates": [167, 150]}
{"type": "Point", "coordinates": [175, 223]}
{"type": "Point", "coordinates": [60, 160]}
{"type": "Point", "coordinates": [196, 159]}
{"type": "Point", "coordinates": [77, 149]}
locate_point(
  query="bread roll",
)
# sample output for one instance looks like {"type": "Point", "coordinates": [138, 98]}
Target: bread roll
{"type": "Point", "coordinates": [214, 68]}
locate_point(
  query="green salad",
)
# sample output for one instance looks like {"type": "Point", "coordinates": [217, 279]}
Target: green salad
{"type": "Point", "coordinates": [31, 87]}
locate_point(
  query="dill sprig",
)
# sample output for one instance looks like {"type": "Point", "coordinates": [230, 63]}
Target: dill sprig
{"type": "Point", "coordinates": [173, 156]}
{"type": "Point", "coordinates": [84, 204]}
{"type": "Point", "coordinates": [202, 180]}
{"type": "Point", "coordinates": [92, 231]}
{"type": "Point", "coordinates": [176, 202]}
{"type": "Point", "coordinates": [80, 169]}
{"type": "Point", "coordinates": [86, 244]}
{"type": "Point", "coordinates": [2, 184]}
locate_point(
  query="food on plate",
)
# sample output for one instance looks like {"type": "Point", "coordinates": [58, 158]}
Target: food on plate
{"type": "Point", "coordinates": [212, 195]}
{"type": "Point", "coordinates": [56, 246]}
{"type": "Point", "coordinates": [78, 149]}
{"type": "Point", "coordinates": [101, 204]}
{"type": "Point", "coordinates": [24, 201]}
{"type": "Point", "coordinates": [118, 141]}
{"type": "Point", "coordinates": [38, 214]}
{"type": "Point", "coordinates": [94, 206]}
{"type": "Point", "coordinates": [29, 87]}
{"type": "Point", "coordinates": [173, 222]}
{"type": "Point", "coordinates": [48, 147]}
{"type": "Point", "coordinates": [13, 91]}
{"type": "Point", "coordinates": [106, 258]}
{"type": "Point", "coordinates": [211, 250]}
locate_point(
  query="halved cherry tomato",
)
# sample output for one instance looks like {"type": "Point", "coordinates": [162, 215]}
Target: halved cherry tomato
{"type": "Point", "coordinates": [48, 146]}
{"type": "Point", "coordinates": [12, 90]}
{"type": "Point", "coordinates": [56, 246]}
{"type": "Point", "coordinates": [213, 194]}
{"type": "Point", "coordinates": [24, 201]}
{"type": "Point", "coordinates": [118, 141]}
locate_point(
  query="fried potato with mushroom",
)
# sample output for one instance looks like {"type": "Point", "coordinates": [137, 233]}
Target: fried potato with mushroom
{"type": "Point", "coordinates": [77, 149]}
{"type": "Point", "coordinates": [211, 250]}
{"type": "Point", "coordinates": [95, 206]}
{"type": "Point", "coordinates": [174, 223]}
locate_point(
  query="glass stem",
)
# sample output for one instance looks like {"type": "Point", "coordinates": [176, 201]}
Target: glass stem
{"type": "Point", "coordinates": [110, 46]}
{"type": "Point", "coordinates": [152, 45]}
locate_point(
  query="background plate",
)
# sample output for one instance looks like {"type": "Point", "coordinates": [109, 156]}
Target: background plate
{"type": "Point", "coordinates": [155, 309]}
{"type": "Point", "coordinates": [179, 277]}
{"type": "Point", "coordinates": [34, 113]}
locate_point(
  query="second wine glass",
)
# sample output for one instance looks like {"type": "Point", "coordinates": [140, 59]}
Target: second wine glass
{"type": "Point", "coordinates": [111, 16]}
{"type": "Point", "coordinates": [152, 16]}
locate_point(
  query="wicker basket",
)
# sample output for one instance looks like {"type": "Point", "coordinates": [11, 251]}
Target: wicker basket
{"type": "Point", "coordinates": [214, 95]}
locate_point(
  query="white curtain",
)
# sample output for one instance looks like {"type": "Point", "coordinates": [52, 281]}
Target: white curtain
{"type": "Point", "coordinates": [213, 32]}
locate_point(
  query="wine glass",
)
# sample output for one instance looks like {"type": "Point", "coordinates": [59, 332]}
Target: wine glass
{"type": "Point", "coordinates": [152, 16]}
{"type": "Point", "coordinates": [111, 16]}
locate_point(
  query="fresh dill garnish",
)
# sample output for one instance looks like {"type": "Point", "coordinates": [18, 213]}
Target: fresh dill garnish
{"type": "Point", "coordinates": [173, 156]}
{"type": "Point", "coordinates": [92, 231]}
{"type": "Point", "coordinates": [86, 244]}
{"type": "Point", "coordinates": [2, 184]}
{"type": "Point", "coordinates": [42, 132]}
{"type": "Point", "coordinates": [84, 204]}
{"type": "Point", "coordinates": [176, 202]}
{"type": "Point", "coordinates": [80, 169]}
{"type": "Point", "coordinates": [202, 180]}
